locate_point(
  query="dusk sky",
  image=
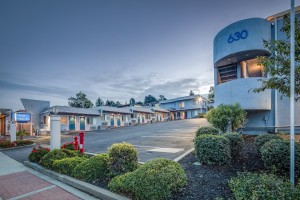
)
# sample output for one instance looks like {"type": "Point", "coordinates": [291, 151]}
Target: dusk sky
{"type": "Point", "coordinates": [114, 49]}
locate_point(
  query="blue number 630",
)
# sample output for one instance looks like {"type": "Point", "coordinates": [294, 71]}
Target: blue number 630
{"type": "Point", "coordinates": [237, 35]}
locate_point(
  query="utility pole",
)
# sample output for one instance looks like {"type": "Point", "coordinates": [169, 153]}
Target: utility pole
{"type": "Point", "coordinates": [292, 95]}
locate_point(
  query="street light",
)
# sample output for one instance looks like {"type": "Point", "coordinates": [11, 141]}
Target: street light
{"type": "Point", "coordinates": [292, 95]}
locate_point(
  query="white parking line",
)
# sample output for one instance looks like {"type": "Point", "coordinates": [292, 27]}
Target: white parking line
{"type": "Point", "coordinates": [169, 136]}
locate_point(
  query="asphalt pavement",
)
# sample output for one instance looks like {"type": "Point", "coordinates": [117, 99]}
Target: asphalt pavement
{"type": "Point", "coordinates": [159, 140]}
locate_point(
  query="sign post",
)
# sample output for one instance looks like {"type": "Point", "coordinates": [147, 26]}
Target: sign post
{"type": "Point", "coordinates": [55, 128]}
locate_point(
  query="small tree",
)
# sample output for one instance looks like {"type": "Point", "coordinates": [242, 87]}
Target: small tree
{"type": "Point", "coordinates": [211, 94]}
{"type": "Point", "coordinates": [220, 116]}
{"type": "Point", "coordinates": [150, 99]}
{"type": "Point", "coordinates": [132, 101]}
{"type": "Point", "coordinates": [99, 102]}
{"type": "Point", "coordinates": [192, 93]}
{"type": "Point", "coordinates": [80, 101]}
{"type": "Point", "coordinates": [277, 65]}
{"type": "Point", "coordinates": [162, 98]}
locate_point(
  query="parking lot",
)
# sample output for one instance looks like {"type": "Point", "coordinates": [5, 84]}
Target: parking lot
{"type": "Point", "coordinates": [165, 139]}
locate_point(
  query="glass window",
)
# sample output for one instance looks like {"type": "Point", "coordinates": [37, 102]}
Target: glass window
{"type": "Point", "coordinates": [91, 120]}
{"type": "Point", "coordinates": [227, 73]}
{"type": "Point", "coordinates": [250, 68]}
{"type": "Point", "coordinates": [181, 104]}
{"type": "Point", "coordinates": [63, 120]}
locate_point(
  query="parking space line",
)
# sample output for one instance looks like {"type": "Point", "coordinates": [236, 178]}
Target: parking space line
{"type": "Point", "coordinates": [168, 136]}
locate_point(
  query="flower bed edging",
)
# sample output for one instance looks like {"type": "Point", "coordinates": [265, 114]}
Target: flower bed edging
{"type": "Point", "coordinates": [17, 147]}
{"type": "Point", "coordinates": [81, 185]}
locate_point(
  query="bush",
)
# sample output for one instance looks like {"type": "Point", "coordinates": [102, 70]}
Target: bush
{"type": "Point", "coordinates": [156, 180]}
{"type": "Point", "coordinates": [213, 149]}
{"type": "Point", "coordinates": [122, 159]}
{"type": "Point", "coordinates": [219, 116]}
{"type": "Point", "coordinates": [207, 130]}
{"type": "Point", "coordinates": [68, 145]}
{"type": "Point", "coordinates": [5, 144]}
{"type": "Point", "coordinates": [201, 115]}
{"type": "Point", "coordinates": [277, 153]}
{"type": "Point", "coordinates": [93, 169]}
{"type": "Point", "coordinates": [262, 139]}
{"type": "Point", "coordinates": [24, 142]}
{"type": "Point", "coordinates": [37, 154]}
{"type": "Point", "coordinates": [236, 144]}
{"type": "Point", "coordinates": [262, 186]}
{"type": "Point", "coordinates": [67, 165]}
{"type": "Point", "coordinates": [57, 154]}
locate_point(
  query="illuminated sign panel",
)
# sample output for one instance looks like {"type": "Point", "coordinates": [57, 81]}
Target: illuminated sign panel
{"type": "Point", "coordinates": [22, 117]}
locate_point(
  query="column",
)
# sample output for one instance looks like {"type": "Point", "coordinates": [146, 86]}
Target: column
{"type": "Point", "coordinates": [13, 132]}
{"type": "Point", "coordinates": [55, 128]}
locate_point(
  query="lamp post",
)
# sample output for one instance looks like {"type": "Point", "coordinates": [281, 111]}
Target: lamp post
{"type": "Point", "coordinates": [292, 95]}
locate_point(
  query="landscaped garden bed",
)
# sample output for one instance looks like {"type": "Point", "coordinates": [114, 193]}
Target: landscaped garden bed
{"type": "Point", "coordinates": [18, 143]}
{"type": "Point", "coordinates": [210, 182]}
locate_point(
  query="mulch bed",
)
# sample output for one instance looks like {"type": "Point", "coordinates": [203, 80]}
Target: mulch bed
{"type": "Point", "coordinates": [210, 182]}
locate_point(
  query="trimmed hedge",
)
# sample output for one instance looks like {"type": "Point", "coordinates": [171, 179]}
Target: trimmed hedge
{"type": "Point", "coordinates": [236, 144]}
{"type": "Point", "coordinates": [264, 138]}
{"type": "Point", "coordinates": [37, 154]}
{"type": "Point", "coordinates": [277, 153]}
{"type": "Point", "coordinates": [207, 130]}
{"type": "Point", "coordinates": [66, 166]}
{"type": "Point", "coordinates": [122, 158]}
{"type": "Point", "coordinates": [57, 154]}
{"type": "Point", "coordinates": [93, 169]}
{"type": "Point", "coordinates": [155, 180]}
{"type": "Point", "coordinates": [213, 149]}
{"type": "Point", "coordinates": [262, 186]}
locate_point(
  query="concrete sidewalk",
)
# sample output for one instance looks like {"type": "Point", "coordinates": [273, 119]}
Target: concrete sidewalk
{"type": "Point", "coordinates": [20, 182]}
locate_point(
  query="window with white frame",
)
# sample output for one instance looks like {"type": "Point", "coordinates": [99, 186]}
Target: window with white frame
{"type": "Point", "coordinates": [181, 104]}
{"type": "Point", "coordinates": [91, 120]}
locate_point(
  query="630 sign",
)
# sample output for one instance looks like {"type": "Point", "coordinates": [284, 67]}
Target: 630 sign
{"type": "Point", "coordinates": [237, 36]}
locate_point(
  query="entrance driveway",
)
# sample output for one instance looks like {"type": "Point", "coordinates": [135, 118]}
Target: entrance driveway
{"type": "Point", "coordinates": [160, 140]}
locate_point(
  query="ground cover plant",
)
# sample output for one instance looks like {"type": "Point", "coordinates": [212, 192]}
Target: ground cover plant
{"type": "Point", "coordinates": [68, 145]}
{"type": "Point", "coordinates": [155, 180]}
{"type": "Point", "coordinates": [8, 144]}
{"type": "Point", "coordinates": [37, 154]}
{"type": "Point", "coordinates": [57, 154]}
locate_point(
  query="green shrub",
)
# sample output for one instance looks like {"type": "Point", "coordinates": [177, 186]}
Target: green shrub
{"type": "Point", "coordinates": [122, 159]}
{"type": "Point", "coordinates": [213, 149]}
{"type": "Point", "coordinates": [68, 145]}
{"type": "Point", "coordinates": [201, 115]}
{"type": "Point", "coordinates": [264, 138]}
{"type": "Point", "coordinates": [262, 187]}
{"type": "Point", "coordinates": [37, 154]}
{"type": "Point", "coordinates": [155, 180]}
{"type": "Point", "coordinates": [93, 169]}
{"type": "Point", "coordinates": [24, 142]}
{"type": "Point", "coordinates": [219, 117]}
{"type": "Point", "coordinates": [5, 144]}
{"type": "Point", "coordinates": [277, 153]}
{"type": "Point", "coordinates": [236, 144]}
{"type": "Point", "coordinates": [67, 165]}
{"type": "Point", "coordinates": [207, 130]}
{"type": "Point", "coordinates": [57, 154]}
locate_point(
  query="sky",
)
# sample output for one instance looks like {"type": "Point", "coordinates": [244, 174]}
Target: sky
{"type": "Point", "coordinates": [113, 49]}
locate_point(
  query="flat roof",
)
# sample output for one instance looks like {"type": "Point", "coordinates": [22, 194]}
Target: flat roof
{"type": "Point", "coordinates": [281, 14]}
{"type": "Point", "coordinates": [182, 98]}
{"type": "Point", "coordinates": [72, 110]}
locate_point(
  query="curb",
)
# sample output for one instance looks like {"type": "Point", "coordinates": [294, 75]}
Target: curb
{"type": "Point", "coordinates": [183, 155]}
{"type": "Point", "coordinates": [80, 185]}
{"type": "Point", "coordinates": [17, 147]}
